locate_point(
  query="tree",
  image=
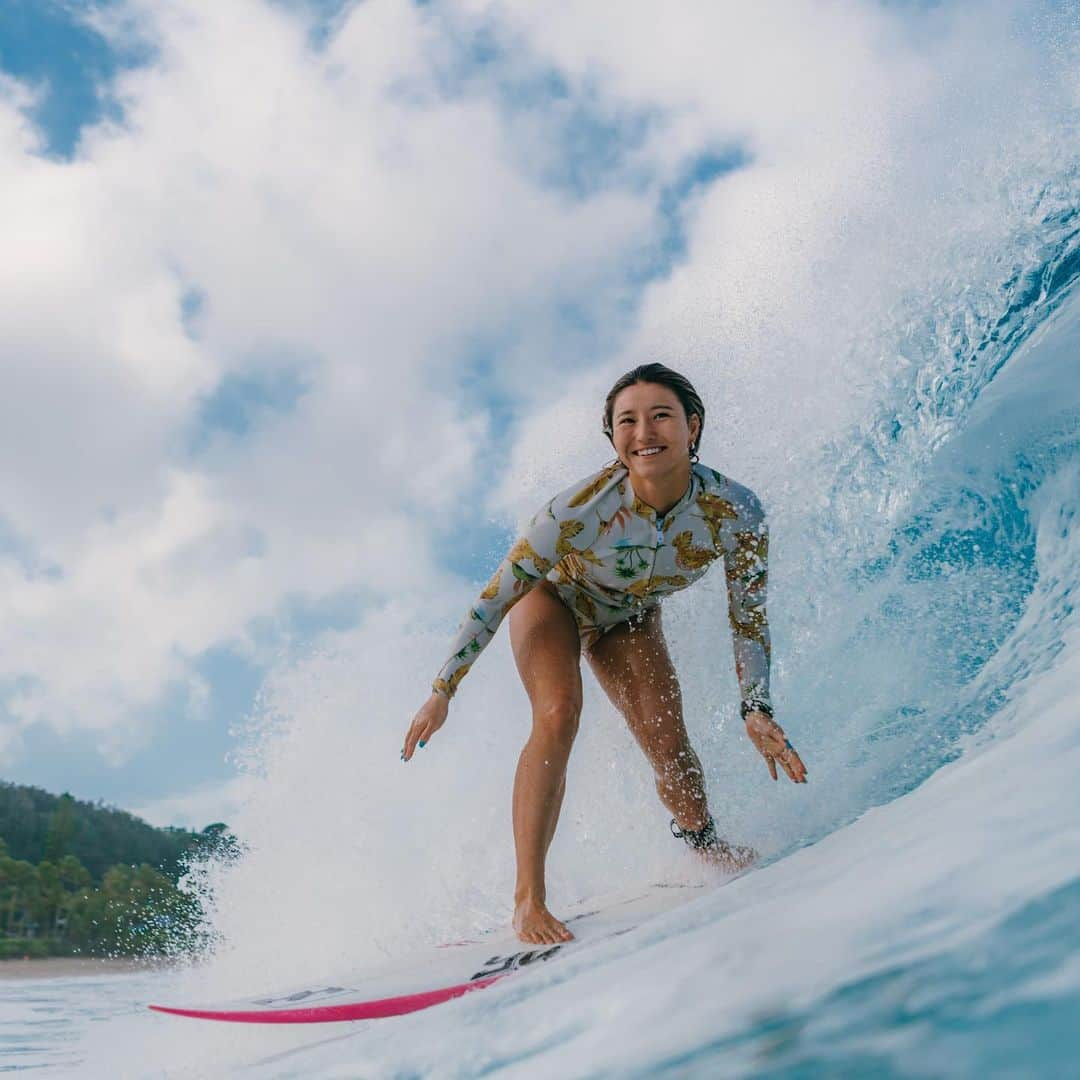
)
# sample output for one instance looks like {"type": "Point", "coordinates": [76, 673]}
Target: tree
{"type": "Point", "coordinates": [23, 878]}
{"type": "Point", "coordinates": [215, 841]}
{"type": "Point", "coordinates": [48, 903]}
{"type": "Point", "coordinates": [73, 874]}
{"type": "Point", "coordinates": [61, 829]}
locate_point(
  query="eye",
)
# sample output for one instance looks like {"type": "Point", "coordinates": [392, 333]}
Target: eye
{"type": "Point", "coordinates": [626, 420]}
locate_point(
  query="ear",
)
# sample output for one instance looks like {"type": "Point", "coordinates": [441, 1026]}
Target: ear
{"type": "Point", "coordinates": [695, 428]}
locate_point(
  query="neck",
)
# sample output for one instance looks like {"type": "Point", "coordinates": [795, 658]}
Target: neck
{"type": "Point", "coordinates": [662, 492]}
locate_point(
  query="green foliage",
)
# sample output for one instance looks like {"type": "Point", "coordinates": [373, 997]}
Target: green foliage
{"type": "Point", "coordinates": [34, 948]}
{"type": "Point", "coordinates": [36, 825]}
{"type": "Point", "coordinates": [61, 829]}
{"type": "Point", "coordinates": [134, 911]}
{"type": "Point", "coordinates": [69, 885]}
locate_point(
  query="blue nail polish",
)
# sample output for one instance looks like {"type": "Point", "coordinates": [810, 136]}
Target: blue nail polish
{"type": "Point", "coordinates": [422, 746]}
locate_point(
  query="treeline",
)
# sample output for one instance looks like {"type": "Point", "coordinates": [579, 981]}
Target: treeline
{"type": "Point", "coordinates": [37, 825]}
{"type": "Point", "coordinates": [68, 884]}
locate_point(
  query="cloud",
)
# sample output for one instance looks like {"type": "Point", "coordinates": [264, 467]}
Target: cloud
{"type": "Point", "coordinates": [264, 214]}
{"type": "Point", "coordinates": [203, 806]}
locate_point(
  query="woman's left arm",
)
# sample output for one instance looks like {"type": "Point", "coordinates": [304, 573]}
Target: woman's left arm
{"type": "Point", "coordinates": [746, 566]}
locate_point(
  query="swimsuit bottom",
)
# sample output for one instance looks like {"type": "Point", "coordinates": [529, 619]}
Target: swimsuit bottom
{"type": "Point", "coordinates": [595, 618]}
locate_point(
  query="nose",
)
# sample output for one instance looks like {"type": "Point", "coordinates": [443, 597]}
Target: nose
{"type": "Point", "coordinates": [645, 430]}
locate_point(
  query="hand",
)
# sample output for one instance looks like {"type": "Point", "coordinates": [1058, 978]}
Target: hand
{"type": "Point", "coordinates": [768, 736]}
{"type": "Point", "coordinates": [428, 720]}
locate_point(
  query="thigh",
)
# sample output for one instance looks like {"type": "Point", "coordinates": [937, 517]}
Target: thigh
{"type": "Point", "coordinates": [547, 648]}
{"type": "Point", "coordinates": [632, 664]}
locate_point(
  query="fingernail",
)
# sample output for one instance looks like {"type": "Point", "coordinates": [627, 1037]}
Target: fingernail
{"type": "Point", "coordinates": [422, 745]}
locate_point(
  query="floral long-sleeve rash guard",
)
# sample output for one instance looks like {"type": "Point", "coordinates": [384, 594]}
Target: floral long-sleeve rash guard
{"type": "Point", "coordinates": [610, 559]}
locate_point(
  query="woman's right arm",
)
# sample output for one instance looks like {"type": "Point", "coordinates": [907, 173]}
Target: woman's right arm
{"type": "Point", "coordinates": [556, 530]}
{"type": "Point", "coordinates": [522, 569]}
{"type": "Point", "coordinates": [562, 526]}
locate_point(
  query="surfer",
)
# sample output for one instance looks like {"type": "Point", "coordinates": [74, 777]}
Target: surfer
{"type": "Point", "coordinates": [587, 576]}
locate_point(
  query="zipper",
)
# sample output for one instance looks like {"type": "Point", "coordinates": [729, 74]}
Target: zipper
{"type": "Point", "coordinates": [658, 523]}
{"type": "Point", "coordinates": [656, 551]}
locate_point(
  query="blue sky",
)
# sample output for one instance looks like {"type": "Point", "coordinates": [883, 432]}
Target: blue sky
{"type": "Point", "coordinates": [42, 42]}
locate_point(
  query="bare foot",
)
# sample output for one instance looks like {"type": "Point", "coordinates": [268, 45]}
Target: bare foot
{"type": "Point", "coordinates": [730, 858]}
{"type": "Point", "coordinates": [537, 926]}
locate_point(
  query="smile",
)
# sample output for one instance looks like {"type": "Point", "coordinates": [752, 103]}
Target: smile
{"type": "Point", "coordinates": [650, 451]}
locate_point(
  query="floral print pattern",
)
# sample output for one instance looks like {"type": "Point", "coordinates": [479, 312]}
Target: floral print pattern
{"type": "Point", "coordinates": [610, 558]}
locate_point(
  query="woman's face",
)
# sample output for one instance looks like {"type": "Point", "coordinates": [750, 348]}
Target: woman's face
{"type": "Point", "coordinates": [650, 431]}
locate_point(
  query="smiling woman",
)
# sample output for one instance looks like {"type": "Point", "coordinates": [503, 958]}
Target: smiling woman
{"type": "Point", "coordinates": [588, 576]}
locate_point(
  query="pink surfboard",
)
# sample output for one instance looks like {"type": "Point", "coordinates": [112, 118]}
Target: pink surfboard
{"type": "Point", "coordinates": [448, 972]}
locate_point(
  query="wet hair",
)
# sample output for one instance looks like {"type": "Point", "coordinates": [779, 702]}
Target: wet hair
{"type": "Point", "coordinates": [662, 376]}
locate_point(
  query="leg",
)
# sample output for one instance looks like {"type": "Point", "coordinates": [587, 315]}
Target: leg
{"type": "Point", "coordinates": [547, 651]}
{"type": "Point", "coordinates": [632, 664]}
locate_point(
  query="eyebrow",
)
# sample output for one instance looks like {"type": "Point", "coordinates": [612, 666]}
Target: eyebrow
{"type": "Point", "coordinates": [629, 412]}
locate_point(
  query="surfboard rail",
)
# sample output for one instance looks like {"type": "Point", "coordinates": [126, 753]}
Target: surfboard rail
{"type": "Point", "coordinates": [325, 1014]}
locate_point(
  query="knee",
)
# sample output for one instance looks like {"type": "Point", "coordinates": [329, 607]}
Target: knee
{"type": "Point", "coordinates": [556, 719]}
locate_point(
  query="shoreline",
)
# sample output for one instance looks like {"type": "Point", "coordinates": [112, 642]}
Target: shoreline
{"type": "Point", "coordinates": [60, 967]}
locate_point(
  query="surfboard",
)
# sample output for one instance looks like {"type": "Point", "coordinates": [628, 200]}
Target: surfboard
{"type": "Point", "coordinates": [448, 972]}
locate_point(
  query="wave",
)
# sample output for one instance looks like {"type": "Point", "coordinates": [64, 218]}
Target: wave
{"type": "Point", "coordinates": [930, 533]}
{"type": "Point", "coordinates": [937, 932]}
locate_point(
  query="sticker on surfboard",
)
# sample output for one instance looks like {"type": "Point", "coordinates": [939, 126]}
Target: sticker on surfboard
{"type": "Point", "coordinates": [448, 972]}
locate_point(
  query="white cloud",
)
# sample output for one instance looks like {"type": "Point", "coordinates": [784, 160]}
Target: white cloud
{"type": "Point", "coordinates": [322, 213]}
{"type": "Point", "coordinates": [200, 807]}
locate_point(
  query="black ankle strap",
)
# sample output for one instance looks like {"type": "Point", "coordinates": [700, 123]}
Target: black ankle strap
{"type": "Point", "coordinates": [705, 837]}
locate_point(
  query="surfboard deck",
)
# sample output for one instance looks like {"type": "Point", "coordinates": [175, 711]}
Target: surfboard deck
{"type": "Point", "coordinates": [447, 972]}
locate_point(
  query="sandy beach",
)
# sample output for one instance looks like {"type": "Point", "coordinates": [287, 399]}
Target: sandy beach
{"type": "Point", "coordinates": [65, 967]}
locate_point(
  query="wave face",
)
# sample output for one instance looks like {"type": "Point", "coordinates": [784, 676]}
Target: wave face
{"type": "Point", "coordinates": [937, 519]}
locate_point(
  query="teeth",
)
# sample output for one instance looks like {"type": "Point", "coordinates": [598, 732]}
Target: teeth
{"type": "Point", "coordinates": [649, 453]}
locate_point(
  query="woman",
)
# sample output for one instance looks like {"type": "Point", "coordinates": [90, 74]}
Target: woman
{"type": "Point", "coordinates": [588, 575]}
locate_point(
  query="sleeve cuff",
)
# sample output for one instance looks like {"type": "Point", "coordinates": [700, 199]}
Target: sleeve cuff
{"type": "Point", "coordinates": [756, 704]}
